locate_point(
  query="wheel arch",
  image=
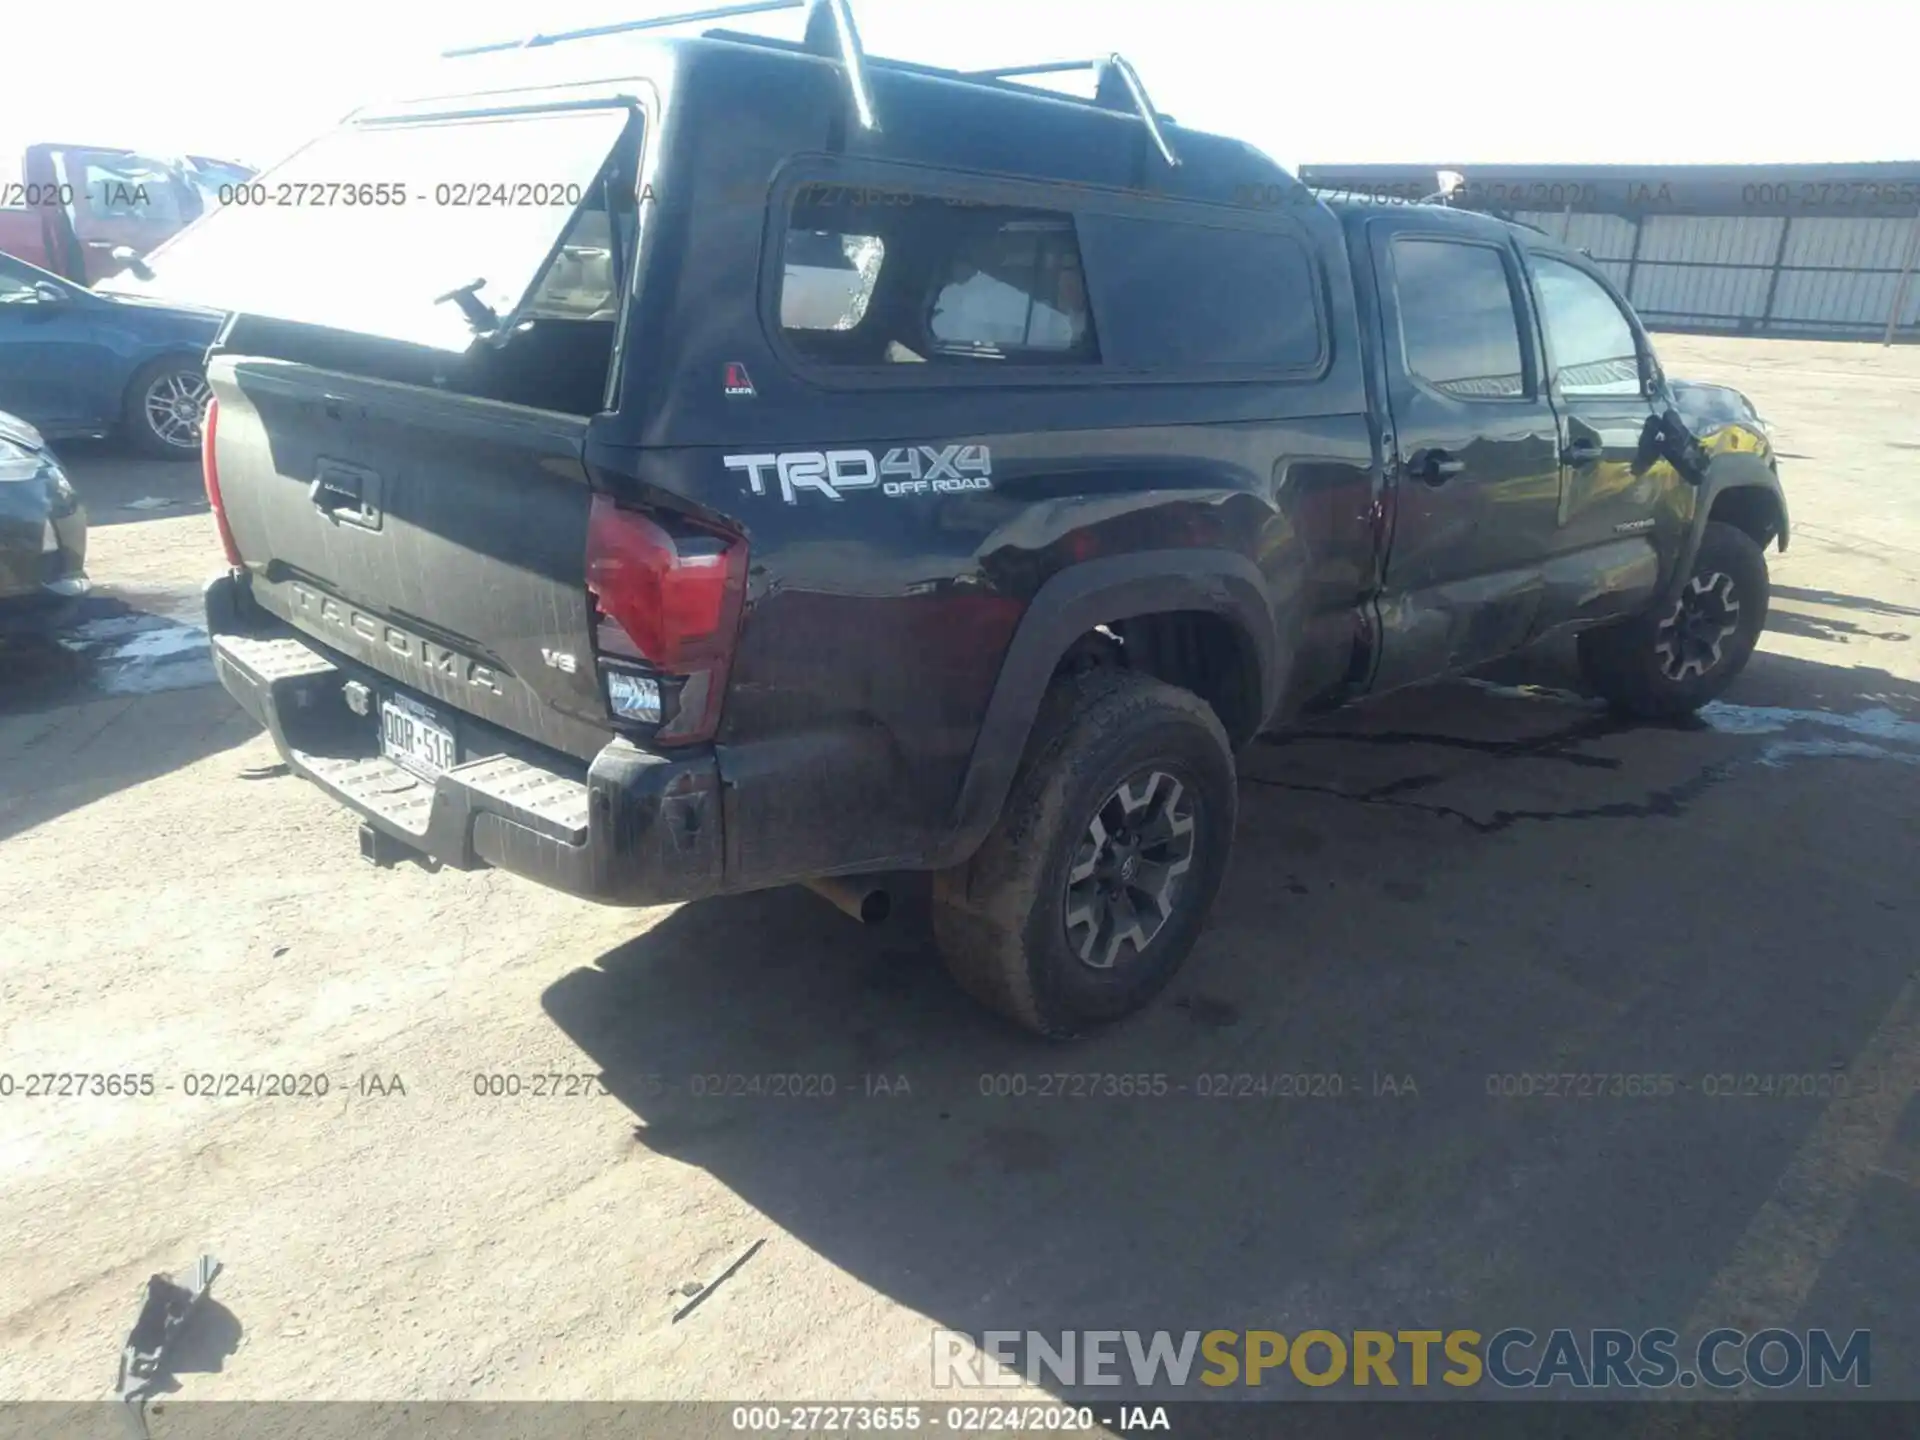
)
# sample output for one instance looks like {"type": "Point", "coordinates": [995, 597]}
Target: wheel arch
{"type": "Point", "coordinates": [1742, 490]}
{"type": "Point", "coordinates": [1130, 593]}
{"type": "Point", "coordinates": [1756, 508]}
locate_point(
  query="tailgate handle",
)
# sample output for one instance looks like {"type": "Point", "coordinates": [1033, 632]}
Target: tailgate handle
{"type": "Point", "coordinates": [347, 495]}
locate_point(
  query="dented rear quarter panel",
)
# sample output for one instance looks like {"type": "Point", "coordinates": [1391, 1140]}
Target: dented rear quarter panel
{"type": "Point", "coordinates": [876, 628]}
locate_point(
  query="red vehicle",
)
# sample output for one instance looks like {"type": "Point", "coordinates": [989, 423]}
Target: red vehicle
{"type": "Point", "coordinates": [69, 208]}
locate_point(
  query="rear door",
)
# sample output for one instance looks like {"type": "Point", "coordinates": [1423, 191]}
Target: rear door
{"type": "Point", "coordinates": [1605, 559]}
{"type": "Point", "coordinates": [1474, 446]}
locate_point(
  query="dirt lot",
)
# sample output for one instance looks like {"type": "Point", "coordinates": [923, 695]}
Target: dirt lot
{"type": "Point", "coordinates": [1463, 883]}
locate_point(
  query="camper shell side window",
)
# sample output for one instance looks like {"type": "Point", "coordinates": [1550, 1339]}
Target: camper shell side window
{"type": "Point", "coordinates": [951, 279]}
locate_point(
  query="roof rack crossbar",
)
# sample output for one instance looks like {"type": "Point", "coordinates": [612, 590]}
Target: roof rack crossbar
{"type": "Point", "coordinates": [830, 30]}
{"type": "Point", "coordinates": [657, 22]}
{"type": "Point", "coordinates": [1105, 70]}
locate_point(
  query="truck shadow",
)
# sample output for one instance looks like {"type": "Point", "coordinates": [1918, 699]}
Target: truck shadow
{"type": "Point", "coordinates": [1306, 1129]}
{"type": "Point", "coordinates": [1834, 631]}
{"type": "Point", "coordinates": [1795, 594]}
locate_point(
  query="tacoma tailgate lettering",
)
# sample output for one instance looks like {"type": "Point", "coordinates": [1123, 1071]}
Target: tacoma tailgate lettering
{"type": "Point", "coordinates": [338, 616]}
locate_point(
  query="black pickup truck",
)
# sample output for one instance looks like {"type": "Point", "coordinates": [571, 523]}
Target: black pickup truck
{"type": "Point", "coordinates": [683, 467]}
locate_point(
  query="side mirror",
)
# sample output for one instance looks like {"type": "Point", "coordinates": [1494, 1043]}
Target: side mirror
{"type": "Point", "coordinates": [1686, 454]}
{"type": "Point", "coordinates": [47, 293]}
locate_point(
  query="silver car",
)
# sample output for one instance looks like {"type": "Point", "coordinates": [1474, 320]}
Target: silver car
{"type": "Point", "coordinates": [43, 533]}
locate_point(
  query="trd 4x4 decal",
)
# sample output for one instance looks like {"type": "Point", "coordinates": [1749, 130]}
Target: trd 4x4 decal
{"type": "Point", "coordinates": [913, 470]}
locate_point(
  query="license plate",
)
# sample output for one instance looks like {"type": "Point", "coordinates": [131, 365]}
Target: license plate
{"type": "Point", "coordinates": [413, 736]}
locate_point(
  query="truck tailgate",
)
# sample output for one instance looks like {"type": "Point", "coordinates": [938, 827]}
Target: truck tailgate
{"type": "Point", "coordinates": [439, 539]}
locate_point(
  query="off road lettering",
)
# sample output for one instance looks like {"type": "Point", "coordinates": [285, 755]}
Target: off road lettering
{"type": "Point", "coordinates": [902, 471]}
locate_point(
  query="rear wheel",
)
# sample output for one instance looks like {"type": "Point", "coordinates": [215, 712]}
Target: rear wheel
{"type": "Point", "coordinates": [165, 406]}
{"type": "Point", "coordinates": [1673, 661]}
{"type": "Point", "coordinates": [1091, 889]}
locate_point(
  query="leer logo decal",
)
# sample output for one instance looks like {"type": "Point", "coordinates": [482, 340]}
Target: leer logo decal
{"type": "Point", "coordinates": [912, 470]}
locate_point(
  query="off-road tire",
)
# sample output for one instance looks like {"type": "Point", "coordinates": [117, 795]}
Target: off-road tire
{"type": "Point", "coordinates": [143, 430]}
{"type": "Point", "coordinates": [1625, 665]}
{"type": "Point", "coordinates": [1000, 920]}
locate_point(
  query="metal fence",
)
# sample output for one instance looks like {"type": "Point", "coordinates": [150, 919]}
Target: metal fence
{"type": "Point", "coordinates": [1809, 250]}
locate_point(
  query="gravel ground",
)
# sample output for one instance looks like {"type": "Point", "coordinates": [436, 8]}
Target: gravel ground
{"type": "Point", "coordinates": [1466, 882]}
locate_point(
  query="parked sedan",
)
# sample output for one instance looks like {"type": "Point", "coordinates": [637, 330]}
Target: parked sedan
{"type": "Point", "coordinates": [74, 362]}
{"type": "Point", "coordinates": [43, 533]}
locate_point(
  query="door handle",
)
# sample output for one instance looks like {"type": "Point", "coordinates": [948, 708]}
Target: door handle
{"type": "Point", "coordinates": [1436, 467]}
{"type": "Point", "coordinates": [1582, 452]}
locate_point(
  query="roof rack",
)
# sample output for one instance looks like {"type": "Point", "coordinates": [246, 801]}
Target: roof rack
{"type": "Point", "coordinates": [830, 31]}
{"type": "Point", "coordinates": [1117, 87]}
{"type": "Point", "coordinates": [595, 32]}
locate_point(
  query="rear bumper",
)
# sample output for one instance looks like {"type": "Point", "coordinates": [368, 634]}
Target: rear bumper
{"type": "Point", "coordinates": [631, 828]}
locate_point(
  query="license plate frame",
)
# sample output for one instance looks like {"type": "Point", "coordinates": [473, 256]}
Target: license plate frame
{"type": "Point", "coordinates": [416, 737]}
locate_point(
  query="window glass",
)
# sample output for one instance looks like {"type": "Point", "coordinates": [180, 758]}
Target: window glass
{"type": "Point", "coordinates": [1457, 323]}
{"type": "Point", "coordinates": [130, 187]}
{"type": "Point", "coordinates": [207, 176]}
{"type": "Point", "coordinates": [16, 286]}
{"type": "Point", "coordinates": [1173, 295]}
{"type": "Point", "coordinates": [382, 229]}
{"type": "Point", "coordinates": [875, 277]}
{"type": "Point", "coordinates": [1017, 286]}
{"type": "Point", "coordinates": [829, 279]}
{"type": "Point", "coordinates": [579, 284]}
{"type": "Point", "coordinates": [1592, 343]}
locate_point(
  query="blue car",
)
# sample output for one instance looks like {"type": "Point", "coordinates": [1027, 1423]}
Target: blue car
{"type": "Point", "coordinates": [76, 363]}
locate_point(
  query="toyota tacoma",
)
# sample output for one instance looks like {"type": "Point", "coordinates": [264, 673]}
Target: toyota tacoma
{"type": "Point", "coordinates": [716, 462]}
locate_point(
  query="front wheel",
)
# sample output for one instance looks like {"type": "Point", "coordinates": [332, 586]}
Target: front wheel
{"type": "Point", "coordinates": [165, 406]}
{"type": "Point", "coordinates": [1671, 662]}
{"type": "Point", "coordinates": [1090, 891]}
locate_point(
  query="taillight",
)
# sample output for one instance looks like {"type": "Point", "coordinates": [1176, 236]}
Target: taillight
{"type": "Point", "coordinates": [672, 600]}
{"type": "Point", "coordinates": [210, 471]}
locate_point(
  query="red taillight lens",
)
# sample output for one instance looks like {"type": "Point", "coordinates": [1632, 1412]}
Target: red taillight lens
{"type": "Point", "coordinates": [677, 598]}
{"type": "Point", "coordinates": [210, 472]}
